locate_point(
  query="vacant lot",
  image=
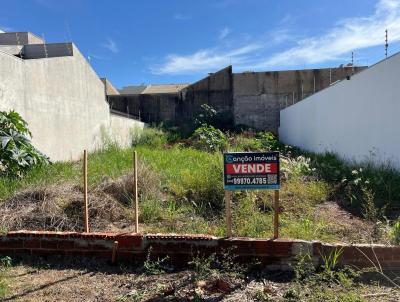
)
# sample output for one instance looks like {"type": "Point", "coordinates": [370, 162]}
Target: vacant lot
{"type": "Point", "coordinates": [180, 190]}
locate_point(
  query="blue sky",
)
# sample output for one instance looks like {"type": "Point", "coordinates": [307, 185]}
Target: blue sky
{"type": "Point", "coordinates": [134, 42]}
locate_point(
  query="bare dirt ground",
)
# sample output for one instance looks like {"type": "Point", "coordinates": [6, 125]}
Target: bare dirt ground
{"type": "Point", "coordinates": [80, 279]}
{"type": "Point", "coordinates": [352, 228]}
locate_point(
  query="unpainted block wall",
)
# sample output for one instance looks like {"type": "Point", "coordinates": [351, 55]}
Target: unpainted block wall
{"type": "Point", "coordinates": [259, 96]}
{"type": "Point", "coordinates": [180, 108]}
{"type": "Point", "coordinates": [356, 119]}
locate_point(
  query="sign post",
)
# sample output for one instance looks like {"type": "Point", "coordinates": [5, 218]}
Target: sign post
{"type": "Point", "coordinates": [251, 171]}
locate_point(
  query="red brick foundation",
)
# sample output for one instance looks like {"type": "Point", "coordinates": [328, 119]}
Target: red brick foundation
{"type": "Point", "coordinates": [181, 248]}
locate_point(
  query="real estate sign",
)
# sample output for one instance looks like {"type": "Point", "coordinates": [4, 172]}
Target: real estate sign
{"type": "Point", "coordinates": [251, 171]}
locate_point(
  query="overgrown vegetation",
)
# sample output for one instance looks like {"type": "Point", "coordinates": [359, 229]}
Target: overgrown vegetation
{"type": "Point", "coordinates": [181, 189]}
{"type": "Point", "coordinates": [5, 264]}
{"type": "Point", "coordinates": [327, 282]}
{"type": "Point", "coordinates": [17, 154]}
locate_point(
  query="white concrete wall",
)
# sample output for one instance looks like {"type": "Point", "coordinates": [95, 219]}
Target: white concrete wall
{"type": "Point", "coordinates": [359, 119]}
{"type": "Point", "coordinates": [63, 101]}
{"type": "Point", "coordinates": [122, 129]}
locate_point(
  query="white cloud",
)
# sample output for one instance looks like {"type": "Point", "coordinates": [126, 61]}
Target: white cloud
{"type": "Point", "coordinates": [4, 29]}
{"type": "Point", "coordinates": [204, 60]}
{"type": "Point", "coordinates": [224, 33]}
{"type": "Point", "coordinates": [182, 17]}
{"type": "Point", "coordinates": [349, 34]}
{"type": "Point", "coordinates": [345, 36]}
{"type": "Point", "coordinates": [111, 45]}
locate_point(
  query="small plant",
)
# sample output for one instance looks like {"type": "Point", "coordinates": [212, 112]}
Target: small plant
{"type": "Point", "coordinates": [154, 267]}
{"type": "Point", "coordinates": [149, 137]}
{"type": "Point", "coordinates": [395, 232]}
{"type": "Point", "coordinates": [269, 141]}
{"type": "Point", "coordinates": [6, 262]}
{"type": "Point", "coordinates": [203, 266]}
{"type": "Point", "coordinates": [206, 115]}
{"type": "Point", "coordinates": [296, 166]}
{"type": "Point", "coordinates": [331, 260]}
{"type": "Point", "coordinates": [209, 139]}
{"type": "Point", "coordinates": [17, 154]}
{"type": "Point", "coordinates": [304, 267]}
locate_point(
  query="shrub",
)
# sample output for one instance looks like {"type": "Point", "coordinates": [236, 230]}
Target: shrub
{"type": "Point", "coordinates": [395, 232]}
{"type": "Point", "coordinates": [269, 141]}
{"type": "Point", "coordinates": [296, 166]}
{"type": "Point", "coordinates": [243, 143]}
{"type": "Point", "coordinates": [206, 115]}
{"type": "Point", "coordinates": [150, 137]}
{"type": "Point", "coordinates": [209, 138]}
{"type": "Point", "coordinates": [17, 154]}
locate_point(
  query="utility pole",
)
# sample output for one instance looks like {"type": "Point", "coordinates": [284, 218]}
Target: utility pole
{"type": "Point", "coordinates": [386, 43]}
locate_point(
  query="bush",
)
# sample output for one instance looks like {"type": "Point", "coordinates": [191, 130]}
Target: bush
{"type": "Point", "coordinates": [269, 141]}
{"type": "Point", "coordinates": [17, 154]}
{"type": "Point", "coordinates": [149, 137]}
{"type": "Point", "coordinates": [209, 139]}
{"type": "Point", "coordinates": [395, 233]}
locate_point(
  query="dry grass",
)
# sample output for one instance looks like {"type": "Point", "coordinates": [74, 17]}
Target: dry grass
{"type": "Point", "coordinates": [59, 207]}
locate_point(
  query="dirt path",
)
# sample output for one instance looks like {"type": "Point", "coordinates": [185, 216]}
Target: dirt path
{"type": "Point", "coordinates": [81, 279]}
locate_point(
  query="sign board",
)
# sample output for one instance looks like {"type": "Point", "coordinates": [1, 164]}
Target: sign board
{"type": "Point", "coordinates": [251, 171]}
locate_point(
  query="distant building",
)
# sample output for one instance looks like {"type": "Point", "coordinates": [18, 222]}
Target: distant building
{"type": "Point", "coordinates": [152, 89]}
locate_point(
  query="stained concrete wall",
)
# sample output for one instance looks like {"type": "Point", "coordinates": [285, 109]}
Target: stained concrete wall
{"type": "Point", "coordinates": [259, 96]}
{"type": "Point", "coordinates": [121, 129]}
{"type": "Point", "coordinates": [61, 98]}
{"type": "Point", "coordinates": [19, 38]}
{"type": "Point", "coordinates": [357, 119]}
{"type": "Point", "coordinates": [214, 90]}
{"type": "Point", "coordinates": [36, 51]}
{"type": "Point", "coordinates": [179, 109]}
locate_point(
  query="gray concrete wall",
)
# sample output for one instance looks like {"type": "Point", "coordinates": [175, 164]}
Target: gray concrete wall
{"type": "Point", "coordinates": [63, 101]}
{"type": "Point", "coordinates": [358, 119]}
{"type": "Point", "coordinates": [122, 128]}
{"type": "Point", "coordinates": [36, 51]}
{"type": "Point", "coordinates": [259, 96]}
{"type": "Point", "coordinates": [19, 38]}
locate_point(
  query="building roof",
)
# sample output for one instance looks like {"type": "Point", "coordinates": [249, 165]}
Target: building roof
{"type": "Point", "coordinates": [132, 89]}
{"type": "Point", "coordinates": [110, 89]}
{"type": "Point", "coordinates": [164, 88]}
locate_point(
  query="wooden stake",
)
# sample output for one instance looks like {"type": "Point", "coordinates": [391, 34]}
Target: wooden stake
{"type": "Point", "coordinates": [228, 201]}
{"type": "Point", "coordinates": [276, 214]}
{"type": "Point", "coordinates": [85, 192]}
{"type": "Point", "coordinates": [114, 252]}
{"type": "Point", "coordinates": [135, 189]}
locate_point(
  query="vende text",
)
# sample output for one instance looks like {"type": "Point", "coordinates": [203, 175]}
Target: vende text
{"type": "Point", "coordinates": [255, 168]}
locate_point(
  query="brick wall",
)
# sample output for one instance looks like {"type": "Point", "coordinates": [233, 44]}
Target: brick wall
{"type": "Point", "coordinates": [181, 248]}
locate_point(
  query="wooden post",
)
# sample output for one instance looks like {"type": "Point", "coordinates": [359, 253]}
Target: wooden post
{"type": "Point", "coordinates": [276, 214]}
{"type": "Point", "coordinates": [85, 192]}
{"type": "Point", "coordinates": [228, 200]}
{"type": "Point", "coordinates": [114, 252]}
{"type": "Point", "coordinates": [136, 192]}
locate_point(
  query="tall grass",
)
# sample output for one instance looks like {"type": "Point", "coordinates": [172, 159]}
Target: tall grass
{"type": "Point", "coordinates": [191, 198]}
